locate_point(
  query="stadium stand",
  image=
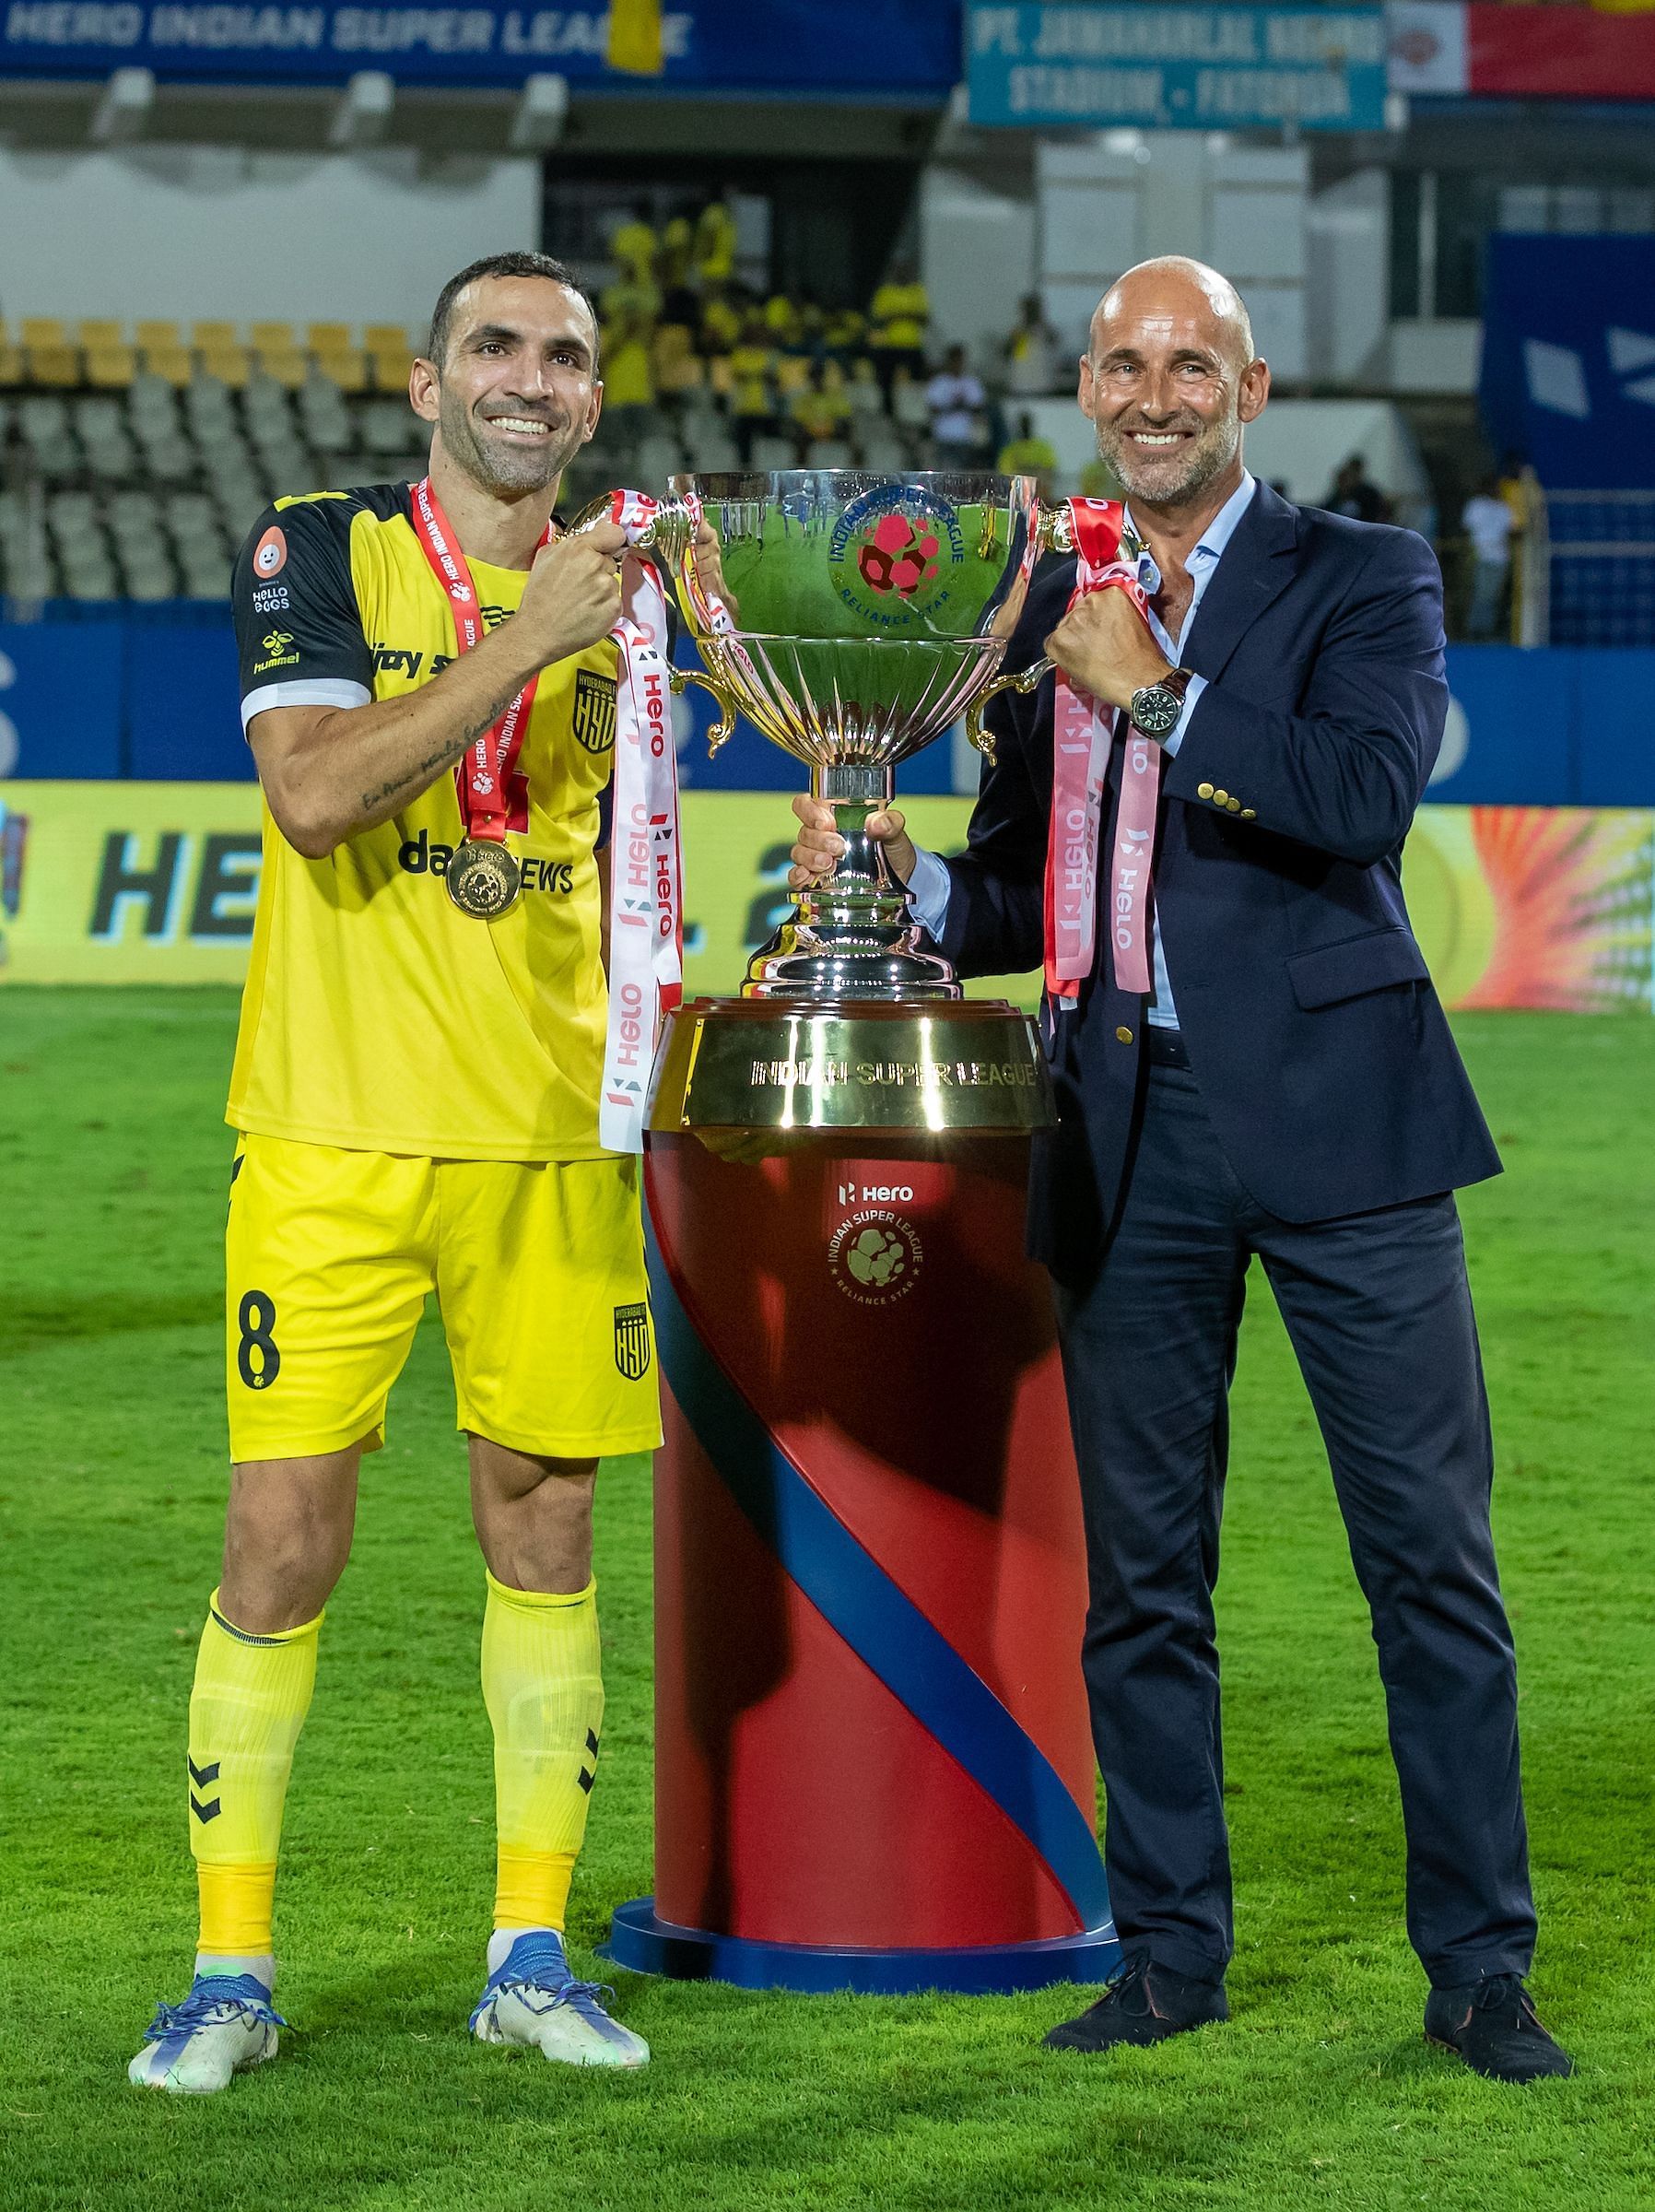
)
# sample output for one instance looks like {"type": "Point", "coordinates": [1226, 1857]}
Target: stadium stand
{"type": "Point", "coordinates": [133, 458]}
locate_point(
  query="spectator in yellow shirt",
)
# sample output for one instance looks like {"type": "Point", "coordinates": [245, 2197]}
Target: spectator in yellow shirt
{"type": "Point", "coordinates": [1028, 455]}
{"type": "Point", "coordinates": [821, 409]}
{"type": "Point", "coordinates": [752, 369]}
{"type": "Point", "coordinates": [1031, 352]}
{"type": "Point", "coordinates": [628, 376]}
{"type": "Point", "coordinates": [634, 246]}
{"type": "Point", "coordinates": [846, 333]}
{"type": "Point", "coordinates": [720, 322]}
{"type": "Point", "coordinates": [1098, 481]}
{"type": "Point", "coordinates": [715, 243]}
{"type": "Point", "coordinates": [782, 320]}
{"type": "Point", "coordinates": [900, 316]}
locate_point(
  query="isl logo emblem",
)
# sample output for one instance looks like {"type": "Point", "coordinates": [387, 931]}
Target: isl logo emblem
{"type": "Point", "coordinates": [874, 1256]}
{"type": "Point", "coordinates": [892, 554]}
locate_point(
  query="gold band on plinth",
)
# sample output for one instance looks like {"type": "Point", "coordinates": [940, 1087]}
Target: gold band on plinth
{"type": "Point", "coordinates": [972, 1065]}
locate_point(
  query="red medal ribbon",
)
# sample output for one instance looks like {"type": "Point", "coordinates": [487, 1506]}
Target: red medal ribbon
{"type": "Point", "coordinates": [493, 797]}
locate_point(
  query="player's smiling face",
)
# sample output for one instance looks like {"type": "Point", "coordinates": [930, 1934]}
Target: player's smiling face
{"type": "Point", "coordinates": [516, 394]}
{"type": "Point", "coordinates": [1165, 384]}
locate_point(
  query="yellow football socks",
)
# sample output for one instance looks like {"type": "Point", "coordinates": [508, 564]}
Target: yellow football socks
{"type": "Point", "coordinates": [248, 1705]}
{"type": "Point", "coordinates": [544, 1686]}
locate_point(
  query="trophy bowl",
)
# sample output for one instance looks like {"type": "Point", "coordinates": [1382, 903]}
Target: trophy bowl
{"type": "Point", "coordinates": [865, 614]}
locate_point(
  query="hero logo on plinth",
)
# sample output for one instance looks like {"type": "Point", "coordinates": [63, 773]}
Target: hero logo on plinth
{"type": "Point", "coordinates": [874, 1256]}
{"type": "Point", "coordinates": [892, 555]}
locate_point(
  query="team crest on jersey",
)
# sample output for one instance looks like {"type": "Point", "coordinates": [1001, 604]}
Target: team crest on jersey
{"type": "Point", "coordinates": [632, 1341]}
{"type": "Point", "coordinates": [594, 714]}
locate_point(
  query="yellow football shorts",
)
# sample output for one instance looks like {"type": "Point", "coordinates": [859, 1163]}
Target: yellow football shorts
{"type": "Point", "coordinates": [539, 1275]}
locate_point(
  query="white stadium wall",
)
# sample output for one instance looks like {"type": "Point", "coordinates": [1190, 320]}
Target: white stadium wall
{"type": "Point", "coordinates": [190, 233]}
{"type": "Point", "coordinates": [976, 250]}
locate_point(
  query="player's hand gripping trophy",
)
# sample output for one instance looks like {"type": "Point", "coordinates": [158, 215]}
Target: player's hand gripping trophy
{"type": "Point", "coordinates": [866, 614]}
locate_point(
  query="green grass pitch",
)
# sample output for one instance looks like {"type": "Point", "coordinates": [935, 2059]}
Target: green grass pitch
{"type": "Point", "coordinates": [1321, 2093]}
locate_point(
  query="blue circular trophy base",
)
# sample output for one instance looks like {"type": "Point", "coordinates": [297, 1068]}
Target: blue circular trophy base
{"type": "Point", "coordinates": [636, 1939]}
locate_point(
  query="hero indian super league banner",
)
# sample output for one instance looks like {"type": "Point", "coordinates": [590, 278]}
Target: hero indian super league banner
{"type": "Point", "coordinates": [1179, 66]}
{"type": "Point", "coordinates": [904, 46]}
{"type": "Point", "coordinates": [114, 883]}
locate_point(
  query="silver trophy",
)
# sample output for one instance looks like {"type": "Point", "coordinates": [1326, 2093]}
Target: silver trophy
{"type": "Point", "coordinates": [867, 613]}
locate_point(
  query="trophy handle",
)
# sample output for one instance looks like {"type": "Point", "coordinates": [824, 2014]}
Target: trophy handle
{"type": "Point", "coordinates": [1024, 681]}
{"type": "Point", "coordinates": [726, 724]}
{"type": "Point", "coordinates": [668, 531]}
{"type": "Point", "coordinates": [1053, 532]}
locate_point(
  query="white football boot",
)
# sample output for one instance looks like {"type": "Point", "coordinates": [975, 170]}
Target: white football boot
{"type": "Point", "coordinates": [532, 1998]}
{"type": "Point", "coordinates": [225, 2025]}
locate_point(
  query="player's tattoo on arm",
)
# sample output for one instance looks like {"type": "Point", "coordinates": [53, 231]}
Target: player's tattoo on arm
{"type": "Point", "coordinates": [421, 774]}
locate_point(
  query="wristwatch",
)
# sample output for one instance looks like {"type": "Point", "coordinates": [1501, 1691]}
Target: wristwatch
{"type": "Point", "coordinates": [1156, 707]}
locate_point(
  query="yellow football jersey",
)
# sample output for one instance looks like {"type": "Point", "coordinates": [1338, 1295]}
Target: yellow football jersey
{"type": "Point", "coordinates": [376, 1015]}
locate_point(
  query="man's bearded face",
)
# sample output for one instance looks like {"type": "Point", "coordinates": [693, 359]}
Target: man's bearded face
{"type": "Point", "coordinates": [516, 396]}
{"type": "Point", "coordinates": [1163, 389]}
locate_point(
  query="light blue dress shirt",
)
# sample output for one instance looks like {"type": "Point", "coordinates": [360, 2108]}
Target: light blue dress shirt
{"type": "Point", "coordinates": [930, 886]}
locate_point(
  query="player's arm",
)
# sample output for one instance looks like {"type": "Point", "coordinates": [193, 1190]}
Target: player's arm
{"type": "Point", "coordinates": [331, 772]}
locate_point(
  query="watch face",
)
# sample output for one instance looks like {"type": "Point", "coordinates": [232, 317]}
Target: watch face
{"type": "Point", "coordinates": [1156, 710]}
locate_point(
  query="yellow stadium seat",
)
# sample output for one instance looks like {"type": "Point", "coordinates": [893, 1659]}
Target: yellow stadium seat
{"type": "Point", "coordinates": [391, 366]}
{"type": "Point", "coordinates": [43, 330]}
{"type": "Point", "coordinates": [11, 364]}
{"type": "Point", "coordinates": [273, 337]}
{"type": "Point", "coordinates": [100, 335]}
{"type": "Point", "coordinates": [159, 333]}
{"type": "Point", "coordinates": [386, 337]}
{"type": "Point", "coordinates": [112, 368]}
{"type": "Point", "coordinates": [346, 366]}
{"type": "Point", "coordinates": [55, 365]}
{"type": "Point", "coordinates": [169, 362]}
{"type": "Point", "coordinates": [229, 364]}
{"type": "Point", "coordinates": [328, 337]}
{"type": "Point", "coordinates": [285, 363]}
{"type": "Point", "coordinates": [210, 337]}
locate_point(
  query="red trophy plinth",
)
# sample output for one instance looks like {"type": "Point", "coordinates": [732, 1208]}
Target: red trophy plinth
{"type": "Point", "coordinates": [874, 1769]}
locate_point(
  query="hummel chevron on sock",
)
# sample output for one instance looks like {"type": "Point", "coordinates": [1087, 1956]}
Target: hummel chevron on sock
{"type": "Point", "coordinates": [247, 1706]}
{"type": "Point", "coordinates": [542, 1684]}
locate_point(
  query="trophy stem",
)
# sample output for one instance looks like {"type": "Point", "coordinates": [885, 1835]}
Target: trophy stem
{"type": "Point", "coordinates": [863, 880]}
{"type": "Point", "coordinates": [854, 936]}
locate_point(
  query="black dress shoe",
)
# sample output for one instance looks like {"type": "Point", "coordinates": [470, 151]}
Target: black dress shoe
{"type": "Point", "coordinates": [1143, 2003]}
{"type": "Point", "coordinates": [1493, 2026]}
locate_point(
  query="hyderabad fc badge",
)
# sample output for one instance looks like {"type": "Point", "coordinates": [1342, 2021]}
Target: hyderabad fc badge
{"type": "Point", "coordinates": [483, 879]}
{"type": "Point", "coordinates": [632, 1341]}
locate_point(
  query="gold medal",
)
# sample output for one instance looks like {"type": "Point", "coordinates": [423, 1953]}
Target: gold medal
{"type": "Point", "coordinates": [483, 879]}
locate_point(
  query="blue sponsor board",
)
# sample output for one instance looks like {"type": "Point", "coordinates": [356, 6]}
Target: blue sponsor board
{"type": "Point", "coordinates": [1177, 66]}
{"type": "Point", "coordinates": [61, 699]}
{"type": "Point", "coordinates": [899, 49]}
{"type": "Point", "coordinates": [155, 697]}
{"type": "Point", "coordinates": [1569, 361]}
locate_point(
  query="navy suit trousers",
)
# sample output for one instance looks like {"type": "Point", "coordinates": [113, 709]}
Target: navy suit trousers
{"type": "Point", "coordinates": [1378, 1310]}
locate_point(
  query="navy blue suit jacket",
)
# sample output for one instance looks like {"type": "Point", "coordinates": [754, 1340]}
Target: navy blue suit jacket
{"type": "Point", "coordinates": [1322, 1053]}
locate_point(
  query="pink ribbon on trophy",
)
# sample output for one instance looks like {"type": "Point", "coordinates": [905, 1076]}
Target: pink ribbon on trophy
{"type": "Point", "coordinates": [646, 876]}
{"type": "Point", "coordinates": [1083, 733]}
